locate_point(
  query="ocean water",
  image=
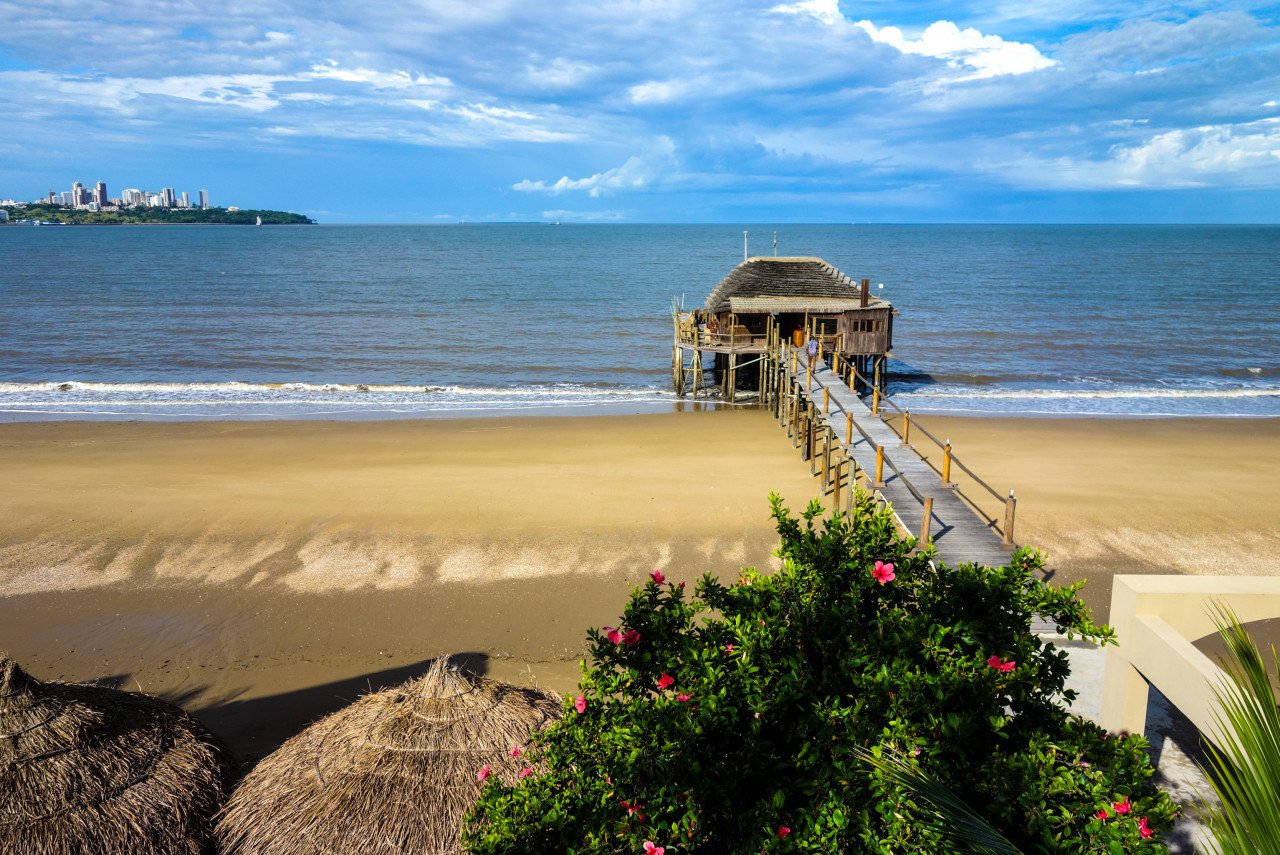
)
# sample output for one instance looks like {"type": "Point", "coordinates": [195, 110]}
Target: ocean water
{"type": "Point", "coordinates": [178, 322]}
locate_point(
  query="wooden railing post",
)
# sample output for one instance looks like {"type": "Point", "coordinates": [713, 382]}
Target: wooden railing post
{"type": "Point", "coordinates": [906, 428]}
{"type": "Point", "coordinates": [879, 465]}
{"type": "Point", "coordinates": [811, 436]}
{"type": "Point", "coordinates": [826, 456]}
{"type": "Point", "coordinates": [926, 523]}
{"type": "Point", "coordinates": [826, 400]}
{"type": "Point", "coordinates": [946, 464]}
{"type": "Point", "coordinates": [848, 429]}
{"type": "Point", "coordinates": [875, 401]}
{"type": "Point", "coordinates": [1010, 509]}
{"type": "Point", "coordinates": [835, 487]}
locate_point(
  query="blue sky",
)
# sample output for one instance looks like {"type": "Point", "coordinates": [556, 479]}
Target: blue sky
{"type": "Point", "coordinates": [655, 110]}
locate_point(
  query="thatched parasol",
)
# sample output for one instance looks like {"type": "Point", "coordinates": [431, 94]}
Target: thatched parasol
{"type": "Point", "coordinates": [90, 770]}
{"type": "Point", "coordinates": [395, 772]}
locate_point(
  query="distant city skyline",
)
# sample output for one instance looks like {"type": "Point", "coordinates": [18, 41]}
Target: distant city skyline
{"type": "Point", "coordinates": [98, 198]}
{"type": "Point", "coordinates": [807, 111]}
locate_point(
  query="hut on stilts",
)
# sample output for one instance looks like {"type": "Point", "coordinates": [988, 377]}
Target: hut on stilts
{"type": "Point", "coordinates": [766, 301]}
{"type": "Point", "coordinates": [395, 772]}
{"type": "Point", "coordinates": [86, 770]}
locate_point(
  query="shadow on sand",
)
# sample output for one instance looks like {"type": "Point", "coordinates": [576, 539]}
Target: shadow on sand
{"type": "Point", "coordinates": [254, 728]}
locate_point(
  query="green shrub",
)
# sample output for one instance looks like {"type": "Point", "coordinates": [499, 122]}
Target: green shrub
{"type": "Point", "coordinates": [731, 721]}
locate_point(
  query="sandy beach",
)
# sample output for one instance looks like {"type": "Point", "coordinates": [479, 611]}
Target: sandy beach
{"type": "Point", "coordinates": [265, 573]}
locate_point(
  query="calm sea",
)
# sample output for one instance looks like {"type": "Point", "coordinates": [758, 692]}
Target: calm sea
{"type": "Point", "coordinates": [178, 322]}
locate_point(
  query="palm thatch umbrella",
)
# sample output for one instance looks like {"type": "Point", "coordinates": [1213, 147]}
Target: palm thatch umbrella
{"type": "Point", "coordinates": [95, 771]}
{"type": "Point", "coordinates": [395, 772]}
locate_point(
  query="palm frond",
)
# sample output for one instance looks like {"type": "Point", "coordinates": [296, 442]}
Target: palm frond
{"type": "Point", "coordinates": [943, 812]}
{"type": "Point", "coordinates": [1244, 769]}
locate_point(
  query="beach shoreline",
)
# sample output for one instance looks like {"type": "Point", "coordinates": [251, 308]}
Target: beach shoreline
{"type": "Point", "coordinates": [261, 572]}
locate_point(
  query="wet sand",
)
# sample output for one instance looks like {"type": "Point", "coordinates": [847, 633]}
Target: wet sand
{"type": "Point", "coordinates": [265, 573]}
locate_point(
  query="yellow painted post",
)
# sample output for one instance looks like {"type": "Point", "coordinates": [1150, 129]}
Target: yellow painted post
{"type": "Point", "coordinates": [875, 401]}
{"type": "Point", "coordinates": [808, 373]}
{"type": "Point", "coordinates": [877, 378]}
{"type": "Point", "coordinates": [879, 465]}
{"type": "Point", "coordinates": [848, 429]}
{"type": "Point", "coordinates": [946, 464]}
{"type": "Point", "coordinates": [826, 400]}
{"type": "Point", "coordinates": [925, 523]}
{"type": "Point", "coordinates": [1010, 508]}
{"type": "Point", "coordinates": [835, 363]}
{"type": "Point", "coordinates": [906, 428]}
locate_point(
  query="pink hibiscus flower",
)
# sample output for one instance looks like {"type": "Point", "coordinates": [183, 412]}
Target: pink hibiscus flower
{"type": "Point", "coordinates": [580, 704]}
{"type": "Point", "coordinates": [515, 752]}
{"type": "Point", "coordinates": [614, 635]}
{"type": "Point", "coordinates": [1122, 807]}
{"type": "Point", "coordinates": [783, 831]}
{"type": "Point", "coordinates": [632, 638]}
{"type": "Point", "coordinates": [1102, 815]}
{"type": "Point", "coordinates": [651, 849]}
{"type": "Point", "coordinates": [483, 773]}
{"type": "Point", "coordinates": [1143, 830]}
{"type": "Point", "coordinates": [883, 573]}
{"type": "Point", "coordinates": [665, 682]}
{"type": "Point", "coordinates": [1002, 667]}
{"type": "Point", "coordinates": [526, 772]}
{"type": "Point", "coordinates": [729, 648]}
{"type": "Point", "coordinates": [657, 576]}
{"type": "Point", "coordinates": [683, 698]}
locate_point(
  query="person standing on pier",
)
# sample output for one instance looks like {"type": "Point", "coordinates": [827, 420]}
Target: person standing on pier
{"type": "Point", "coordinates": [811, 350]}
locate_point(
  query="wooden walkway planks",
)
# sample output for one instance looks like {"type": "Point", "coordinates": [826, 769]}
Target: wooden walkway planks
{"type": "Point", "coordinates": [959, 534]}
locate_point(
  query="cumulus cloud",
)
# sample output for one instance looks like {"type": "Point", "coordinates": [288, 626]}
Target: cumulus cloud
{"type": "Point", "coordinates": [983, 55]}
{"type": "Point", "coordinates": [636, 173]}
{"type": "Point", "coordinates": [1245, 154]}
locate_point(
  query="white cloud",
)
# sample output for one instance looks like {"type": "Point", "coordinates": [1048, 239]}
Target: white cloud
{"type": "Point", "coordinates": [826, 11]}
{"type": "Point", "coordinates": [378, 79]}
{"type": "Point", "coordinates": [1246, 154]}
{"type": "Point", "coordinates": [984, 55]}
{"type": "Point", "coordinates": [656, 91]}
{"type": "Point", "coordinates": [636, 173]}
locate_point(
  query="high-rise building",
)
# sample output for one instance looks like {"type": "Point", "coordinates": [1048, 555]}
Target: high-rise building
{"type": "Point", "coordinates": [204, 200]}
{"type": "Point", "coordinates": [77, 191]}
{"type": "Point", "coordinates": [132, 196]}
{"type": "Point", "coordinates": [100, 194]}
{"type": "Point", "coordinates": [170, 201]}
{"type": "Point", "coordinates": [186, 200]}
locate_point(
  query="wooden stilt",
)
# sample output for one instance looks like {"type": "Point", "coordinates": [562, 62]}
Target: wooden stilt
{"type": "Point", "coordinates": [826, 457]}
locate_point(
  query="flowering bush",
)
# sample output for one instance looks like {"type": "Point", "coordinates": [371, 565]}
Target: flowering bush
{"type": "Point", "coordinates": [732, 721]}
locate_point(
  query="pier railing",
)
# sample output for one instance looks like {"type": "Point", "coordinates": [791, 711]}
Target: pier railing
{"type": "Point", "coordinates": [796, 406]}
{"type": "Point", "coordinates": [807, 414]}
{"type": "Point", "coordinates": [1009, 503]}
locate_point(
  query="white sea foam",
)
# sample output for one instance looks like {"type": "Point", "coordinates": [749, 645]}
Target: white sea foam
{"type": "Point", "coordinates": [240, 400]}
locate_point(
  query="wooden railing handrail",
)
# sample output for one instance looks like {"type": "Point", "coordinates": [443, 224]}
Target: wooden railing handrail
{"type": "Point", "coordinates": [915, 423]}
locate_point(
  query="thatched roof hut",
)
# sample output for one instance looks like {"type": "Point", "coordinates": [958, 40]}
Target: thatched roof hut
{"type": "Point", "coordinates": [94, 771]}
{"type": "Point", "coordinates": [395, 772]}
{"type": "Point", "coordinates": [799, 278]}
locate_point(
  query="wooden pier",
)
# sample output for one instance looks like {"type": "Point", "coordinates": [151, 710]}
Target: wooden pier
{"type": "Point", "coordinates": [759, 324]}
{"type": "Point", "coordinates": [845, 439]}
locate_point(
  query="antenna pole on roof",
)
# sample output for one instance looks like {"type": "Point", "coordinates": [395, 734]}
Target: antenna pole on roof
{"type": "Point", "coordinates": [744, 246]}
{"type": "Point", "coordinates": [775, 244]}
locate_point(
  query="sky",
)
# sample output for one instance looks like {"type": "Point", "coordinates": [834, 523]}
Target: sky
{"type": "Point", "coordinates": [654, 110]}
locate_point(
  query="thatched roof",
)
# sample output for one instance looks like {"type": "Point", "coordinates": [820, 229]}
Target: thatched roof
{"type": "Point", "coordinates": [94, 771]}
{"type": "Point", "coordinates": [395, 772]}
{"type": "Point", "coordinates": [765, 276]}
